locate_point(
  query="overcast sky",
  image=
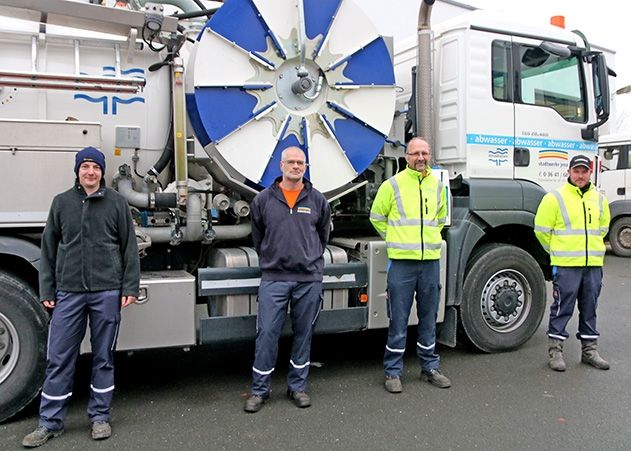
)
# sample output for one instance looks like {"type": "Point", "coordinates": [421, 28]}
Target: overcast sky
{"type": "Point", "coordinates": [606, 23]}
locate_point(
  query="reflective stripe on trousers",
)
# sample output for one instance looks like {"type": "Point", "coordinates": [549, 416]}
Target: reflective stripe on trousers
{"type": "Point", "coordinates": [67, 329]}
{"type": "Point", "coordinates": [407, 280]}
{"type": "Point", "coordinates": [304, 300]}
{"type": "Point", "coordinates": [572, 285]}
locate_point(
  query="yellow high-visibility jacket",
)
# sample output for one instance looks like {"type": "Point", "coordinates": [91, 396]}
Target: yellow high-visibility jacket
{"type": "Point", "coordinates": [409, 212]}
{"type": "Point", "coordinates": [571, 226]}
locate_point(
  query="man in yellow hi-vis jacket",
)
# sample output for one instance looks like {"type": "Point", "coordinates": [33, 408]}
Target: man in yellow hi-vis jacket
{"type": "Point", "coordinates": [571, 224]}
{"type": "Point", "coordinates": [409, 212]}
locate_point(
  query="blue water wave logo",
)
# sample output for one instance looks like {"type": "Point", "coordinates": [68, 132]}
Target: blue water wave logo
{"type": "Point", "coordinates": [499, 156]}
{"type": "Point", "coordinates": [114, 101]}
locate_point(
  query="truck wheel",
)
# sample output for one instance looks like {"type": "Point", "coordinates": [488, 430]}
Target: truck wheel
{"type": "Point", "coordinates": [504, 298]}
{"type": "Point", "coordinates": [620, 237]}
{"type": "Point", "coordinates": [23, 331]}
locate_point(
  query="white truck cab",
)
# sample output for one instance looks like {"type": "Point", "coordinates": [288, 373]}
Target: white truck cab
{"type": "Point", "coordinates": [615, 182]}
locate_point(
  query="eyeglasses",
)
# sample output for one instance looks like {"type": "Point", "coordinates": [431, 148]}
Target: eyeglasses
{"type": "Point", "coordinates": [417, 154]}
{"type": "Point", "coordinates": [295, 162]}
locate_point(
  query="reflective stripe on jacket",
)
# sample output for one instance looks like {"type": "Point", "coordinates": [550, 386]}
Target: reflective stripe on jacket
{"type": "Point", "coordinates": [571, 226]}
{"type": "Point", "coordinates": [409, 212]}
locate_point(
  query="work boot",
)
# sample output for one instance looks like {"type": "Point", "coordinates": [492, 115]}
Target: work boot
{"type": "Point", "coordinates": [300, 398]}
{"type": "Point", "coordinates": [254, 403]}
{"type": "Point", "coordinates": [436, 378]}
{"type": "Point", "coordinates": [393, 384]}
{"type": "Point", "coordinates": [40, 436]}
{"type": "Point", "coordinates": [555, 354]}
{"type": "Point", "coordinates": [100, 430]}
{"type": "Point", "coordinates": [590, 356]}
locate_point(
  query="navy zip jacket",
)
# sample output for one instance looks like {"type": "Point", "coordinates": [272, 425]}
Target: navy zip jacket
{"type": "Point", "coordinates": [291, 241]}
{"type": "Point", "coordinates": [89, 244]}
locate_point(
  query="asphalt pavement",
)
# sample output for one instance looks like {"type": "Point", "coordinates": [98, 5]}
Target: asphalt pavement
{"type": "Point", "coordinates": [176, 400]}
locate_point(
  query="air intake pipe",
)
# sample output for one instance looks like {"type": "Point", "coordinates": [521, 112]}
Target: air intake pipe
{"type": "Point", "coordinates": [124, 185]}
{"type": "Point", "coordinates": [424, 69]}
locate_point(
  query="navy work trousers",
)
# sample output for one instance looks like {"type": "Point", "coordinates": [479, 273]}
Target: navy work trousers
{"type": "Point", "coordinates": [304, 300]}
{"type": "Point", "coordinates": [405, 278]}
{"type": "Point", "coordinates": [67, 329]}
{"type": "Point", "coordinates": [569, 285]}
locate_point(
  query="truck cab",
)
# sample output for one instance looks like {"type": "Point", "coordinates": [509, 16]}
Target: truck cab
{"type": "Point", "coordinates": [513, 103]}
{"type": "Point", "coordinates": [615, 182]}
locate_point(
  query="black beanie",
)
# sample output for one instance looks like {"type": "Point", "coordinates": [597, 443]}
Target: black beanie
{"type": "Point", "coordinates": [89, 154]}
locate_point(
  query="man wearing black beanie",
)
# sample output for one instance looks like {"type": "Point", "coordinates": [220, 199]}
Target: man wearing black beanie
{"type": "Point", "coordinates": [89, 268]}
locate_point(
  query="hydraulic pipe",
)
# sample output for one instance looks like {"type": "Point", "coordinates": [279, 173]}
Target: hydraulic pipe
{"type": "Point", "coordinates": [144, 200]}
{"type": "Point", "coordinates": [165, 157]}
{"type": "Point", "coordinates": [193, 218]}
{"type": "Point", "coordinates": [223, 232]}
{"type": "Point", "coordinates": [424, 72]}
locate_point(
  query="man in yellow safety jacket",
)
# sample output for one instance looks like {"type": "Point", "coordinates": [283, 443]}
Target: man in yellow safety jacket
{"type": "Point", "coordinates": [409, 212]}
{"type": "Point", "coordinates": [571, 224]}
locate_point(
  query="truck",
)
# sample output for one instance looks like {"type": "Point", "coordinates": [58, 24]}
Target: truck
{"type": "Point", "coordinates": [614, 178]}
{"type": "Point", "coordinates": [192, 111]}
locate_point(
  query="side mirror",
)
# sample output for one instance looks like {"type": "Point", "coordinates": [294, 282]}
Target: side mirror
{"type": "Point", "coordinates": [601, 86]}
{"type": "Point", "coordinates": [608, 154]}
{"type": "Point", "coordinates": [601, 93]}
{"type": "Point", "coordinates": [559, 50]}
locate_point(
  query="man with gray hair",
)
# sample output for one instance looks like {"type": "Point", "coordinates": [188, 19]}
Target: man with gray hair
{"type": "Point", "coordinates": [290, 229]}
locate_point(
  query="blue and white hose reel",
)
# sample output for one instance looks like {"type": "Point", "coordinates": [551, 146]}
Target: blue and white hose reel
{"type": "Point", "coordinates": [269, 74]}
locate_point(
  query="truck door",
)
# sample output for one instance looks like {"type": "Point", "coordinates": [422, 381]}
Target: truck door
{"type": "Point", "coordinates": [615, 180]}
{"type": "Point", "coordinates": [551, 108]}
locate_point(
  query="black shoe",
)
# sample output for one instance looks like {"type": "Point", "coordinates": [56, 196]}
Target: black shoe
{"type": "Point", "coordinates": [393, 384]}
{"type": "Point", "coordinates": [436, 378]}
{"type": "Point", "coordinates": [40, 436]}
{"type": "Point", "coordinates": [300, 398]}
{"type": "Point", "coordinates": [100, 430]}
{"type": "Point", "coordinates": [254, 402]}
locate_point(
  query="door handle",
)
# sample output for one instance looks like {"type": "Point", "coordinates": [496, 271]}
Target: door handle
{"type": "Point", "coordinates": [521, 157]}
{"type": "Point", "coordinates": [621, 191]}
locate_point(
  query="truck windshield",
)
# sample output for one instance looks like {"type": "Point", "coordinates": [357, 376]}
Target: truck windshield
{"type": "Point", "coordinates": [552, 81]}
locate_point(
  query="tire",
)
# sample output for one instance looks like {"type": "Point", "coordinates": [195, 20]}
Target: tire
{"type": "Point", "coordinates": [23, 332]}
{"type": "Point", "coordinates": [620, 237]}
{"type": "Point", "coordinates": [504, 298]}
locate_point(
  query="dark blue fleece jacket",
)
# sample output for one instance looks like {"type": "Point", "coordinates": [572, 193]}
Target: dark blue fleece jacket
{"type": "Point", "coordinates": [290, 241]}
{"type": "Point", "coordinates": [89, 244]}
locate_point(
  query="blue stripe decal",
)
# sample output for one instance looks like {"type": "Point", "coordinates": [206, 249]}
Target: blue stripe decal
{"type": "Point", "coordinates": [371, 65]}
{"type": "Point", "coordinates": [273, 167]}
{"type": "Point", "coordinates": [91, 99]}
{"type": "Point", "coordinates": [116, 100]}
{"type": "Point", "coordinates": [133, 70]}
{"type": "Point", "coordinates": [319, 16]}
{"type": "Point", "coordinates": [537, 143]}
